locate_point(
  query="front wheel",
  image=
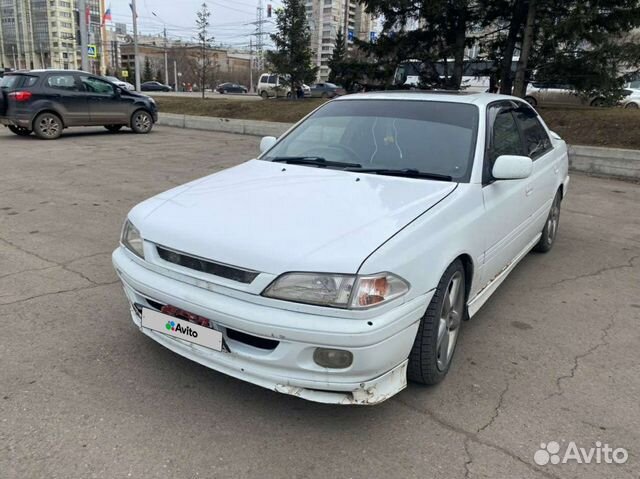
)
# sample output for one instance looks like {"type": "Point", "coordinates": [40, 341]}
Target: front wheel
{"type": "Point", "coordinates": [550, 230]}
{"type": "Point", "coordinates": [141, 122]}
{"type": "Point", "coordinates": [47, 126]}
{"type": "Point", "coordinates": [531, 101]}
{"type": "Point", "coordinates": [19, 130]}
{"type": "Point", "coordinates": [264, 94]}
{"type": "Point", "coordinates": [437, 336]}
{"type": "Point", "coordinates": [631, 106]}
{"type": "Point", "coordinates": [599, 103]}
{"type": "Point", "coordinates": [113, 128]}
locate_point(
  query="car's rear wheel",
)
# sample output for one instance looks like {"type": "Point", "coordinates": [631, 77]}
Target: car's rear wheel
{"type": "Point", "coordinates": [48, 126]}
{"type": "Point", "coordinates": [631, 106]}
{"type": "Point", "coordinates": [531, 101]}
{"type": "Point", "coordinates": [599, 103]}
{"type": "Point", "coordinates": [550, 230]}
{"type": "Point", "coordinates": [19, 130]}
{"type": "Point", "coordinates": [435, 343]}
{"type": "Point", "coordinates": [141, 122]}
{"type": "Point", "coordinates": [113, 128]}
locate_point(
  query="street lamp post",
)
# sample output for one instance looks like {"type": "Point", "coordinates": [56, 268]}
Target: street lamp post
{"type": "Point", "coordinates": [166, 61]}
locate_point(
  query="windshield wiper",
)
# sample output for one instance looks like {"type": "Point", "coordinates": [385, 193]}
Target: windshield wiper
{"type": "Point", "coordinates": [313, 160]}
{"type": "Point", "coordinates": [406, 172]}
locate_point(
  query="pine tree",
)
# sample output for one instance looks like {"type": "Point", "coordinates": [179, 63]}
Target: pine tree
{"type": "Point", "coordinates": [337, 60]}
{"type": "Point", "coordinates": [205, 43]}
{"type": "Point", "coordinates": [293, 55]}
{"type": "Point", "coordinates": [147, 73]}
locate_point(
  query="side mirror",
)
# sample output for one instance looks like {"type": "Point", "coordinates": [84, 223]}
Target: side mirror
{"type": "Point", "coordinates": [267, 142]}
{"type": "Point", "coordinates": [512, 167]}
{"type": "Point", "coordinates": [117, 92]}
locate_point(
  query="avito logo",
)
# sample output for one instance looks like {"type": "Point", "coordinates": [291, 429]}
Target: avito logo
{"type": "Point", "coordinates": [172, 326]}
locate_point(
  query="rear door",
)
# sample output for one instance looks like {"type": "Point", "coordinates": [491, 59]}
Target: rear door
{"type": "Point", "coordinates": [105, 106]}
{"type": "Point", "coordinates": [507, 210]}
{"type": "Point", "coordinates": [65, 93]}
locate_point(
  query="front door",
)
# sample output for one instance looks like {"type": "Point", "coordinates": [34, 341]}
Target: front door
{"type": "Point", "coordinates": [105, 105]}
{"type": "Point", "coordinates": [507, 211]}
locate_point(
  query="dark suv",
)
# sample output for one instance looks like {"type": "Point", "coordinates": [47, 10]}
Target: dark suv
{"type": "Point", "coordinates": [47, 101]}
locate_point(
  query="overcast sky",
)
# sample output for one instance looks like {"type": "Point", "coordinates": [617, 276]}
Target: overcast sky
{"type": "Point", "coordinates": [229, 19]}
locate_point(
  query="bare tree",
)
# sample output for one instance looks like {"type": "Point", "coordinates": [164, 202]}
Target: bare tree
{"type": "Point", "coordinates": [205, 44]}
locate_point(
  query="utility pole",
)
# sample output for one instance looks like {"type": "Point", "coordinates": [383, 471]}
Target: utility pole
{"type": "Point", "coordinates": [136, 53]}
{"type": "Point", "coordinates": [175, 75]}
{"type": "Point", "coordinates": [41, 56]}
{"type": "Point", "coordinates": [84, 49]}
{"type": "Point", "coordinates": [260, 21]}
{"type": "Point", "coordinates": [251, 66]}
{"type": "Point", "coordinates": [166, 61]}
{"type": "Point", "coordinates": [15, 61]}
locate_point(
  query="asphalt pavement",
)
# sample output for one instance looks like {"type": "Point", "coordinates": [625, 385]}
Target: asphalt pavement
{"type": "Point", "coordinates": [553, 355]}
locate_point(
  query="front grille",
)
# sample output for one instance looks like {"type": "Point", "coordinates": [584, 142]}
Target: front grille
{"type": "Point", "coordinates": [205, 266]}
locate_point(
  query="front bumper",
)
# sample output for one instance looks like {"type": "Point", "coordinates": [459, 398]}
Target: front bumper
{"type": "Point", "coordinates": [380, 346]}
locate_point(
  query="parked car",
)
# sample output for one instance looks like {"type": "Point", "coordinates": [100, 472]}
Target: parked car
{"type": "Point", "coordinates": [272, 85]}
{"type": "Point", "coordinates": [47, 101]}
{"type": "Point", "coordinates": [343, 260]}
{"type": "Point", "coordinates": [231, 88]}
{"type": "Point", "coordinates": [326, 90]}
{"type": "Point", "coordinates": [121, 83]}
{"type": "Point", "coordinates": [553, 94]}
{"type": "Point", "coordinates": [154, 86]}
{"type": "Point", "coordinates": [631, 100]}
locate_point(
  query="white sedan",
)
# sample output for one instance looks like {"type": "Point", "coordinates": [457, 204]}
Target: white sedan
{"type": "Point", "coordinates": [342, 262]}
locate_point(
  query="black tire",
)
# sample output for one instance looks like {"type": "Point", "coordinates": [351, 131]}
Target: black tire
{"type": "Point", "coordinates": [141, 122]}
{"type": "Point", "coordinates": [48, 126]}
{"type": "Point", "coordinates": [264, 94]}
{"type": "Point", "coordinates": [531, 101]}
{"type": "Point", "coordinates": [19, 130]}
{"type": "Point", "coordinates": [324, 95]}
{"type": "Point", "coordinates": [598, 103]}
{"type": "Point", "coordinates": [113, 128]}
{"type": "Point", "coordinates": [631, 106]}
{"type": "Point", "coordinates": [550, 230]}
{"type": "Point", "coordinates": [425, 362]}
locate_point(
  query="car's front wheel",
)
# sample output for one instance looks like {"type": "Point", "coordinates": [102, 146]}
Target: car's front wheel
{"type": "Point", "coordinates": [141, 122]}
{"type": "Point", "coordinates": [113, 128]}
{"type": "Point", "coordinates": [47, 126]}
{"type": "Point", "coordinates": [19, 130]}
{"type": "Point", "coordinates": [264, 94]}
{"type": "Point", "coordinates": [439, 329]}
{"type": "Point", "coordinates": [550, 230]}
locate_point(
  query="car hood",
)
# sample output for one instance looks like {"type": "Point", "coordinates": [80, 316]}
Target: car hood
{"type": "Point", "coordinates": [275, 218]}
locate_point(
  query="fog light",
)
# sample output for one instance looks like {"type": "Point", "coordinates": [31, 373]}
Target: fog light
{"type": "Point", "coordinates": [332, 358]}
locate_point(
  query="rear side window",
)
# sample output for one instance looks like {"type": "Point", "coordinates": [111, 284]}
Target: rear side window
{"type": "Point", "coordinates": [10, 81]}
{"type": "Point", "coordinates": [29, 81]}
{"type": "Point", "coordinates": [536, 140]}
{"type": "Point", "coordinates": [62, 82]}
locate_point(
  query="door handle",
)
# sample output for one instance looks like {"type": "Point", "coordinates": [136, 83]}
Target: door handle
{"type": "Point", "coordinates": [528, 190]}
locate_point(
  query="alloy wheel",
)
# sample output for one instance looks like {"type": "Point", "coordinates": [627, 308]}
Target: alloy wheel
{"type": "Point", "coordinates": [552, 221]}
{"type": "Point", "coordinates": [450, 320]}
{"type": "Point", "coordinates": [142, 122]}
{"type": "Point", "coordinates": [49, 126]}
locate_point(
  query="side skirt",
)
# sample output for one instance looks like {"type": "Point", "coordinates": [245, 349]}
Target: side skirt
{"type": "Point", "coordinates": [485, 293]}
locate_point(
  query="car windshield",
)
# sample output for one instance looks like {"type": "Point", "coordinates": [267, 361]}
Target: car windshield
{"type": "Point", "coordinates": [427, 136]}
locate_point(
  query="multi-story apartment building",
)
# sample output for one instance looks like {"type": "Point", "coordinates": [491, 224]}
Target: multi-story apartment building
{"type": "Point", "coordinates": [326, 18]}
{"type": "Point", "coordinates": [44, 34]}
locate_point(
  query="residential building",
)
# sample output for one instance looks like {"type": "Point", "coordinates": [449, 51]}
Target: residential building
{"type": "Point", "coordinates": [326, 18]}
{"type": "Point", "coordinates": [44, 34]}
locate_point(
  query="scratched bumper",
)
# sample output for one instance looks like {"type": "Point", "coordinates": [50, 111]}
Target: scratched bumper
{"type": "Point", "coordinates": [380, 354]}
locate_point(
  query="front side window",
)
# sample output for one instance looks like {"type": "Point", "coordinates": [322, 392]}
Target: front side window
{"type": "Point", "coordinates": [506, 137]}
{"type": "Point", "coordinates": [94, 85]}
{"type": "Point", "coordinates": [429, 136]}
{"type": "Point", "coordinates": [536, 140]}
{"type": "Point", "coordinates": [272, 79]}
{"type": "Point", "coordinates": [62, 82]}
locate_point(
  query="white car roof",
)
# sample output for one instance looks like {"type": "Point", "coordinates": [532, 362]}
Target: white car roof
{"type": "Point", "coordinates": [481, 99]}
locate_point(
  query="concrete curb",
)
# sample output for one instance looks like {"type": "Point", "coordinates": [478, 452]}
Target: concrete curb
{"type": "Point", "coordinates": [225, 125]}
{"type": "Point", "coordinates": [611, 162]}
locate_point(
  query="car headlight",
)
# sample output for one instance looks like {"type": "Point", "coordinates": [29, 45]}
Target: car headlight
{"type": "Point", "coordinates": [131, 239]}
{"type": "Point", "coordinates": [337, 290]}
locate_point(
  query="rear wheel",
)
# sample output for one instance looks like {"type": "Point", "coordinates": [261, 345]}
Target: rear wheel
{"type": "Point", "coordinates": [141, 122]}
{"type": "Point", "coordinates": [437, 336]}
{"type": "Point", "coordinates": [113, 128]}
{"type": "Point", "coordinates": [47, 126]}
{"type": "Point", "coordinates": [20, 131]}
{"type": "Point", "coordinates": [631, 106]}
{"type": "Point", "coordinates": [550, 230]}
{"type": "Point", "coordinates": [598, 103]}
